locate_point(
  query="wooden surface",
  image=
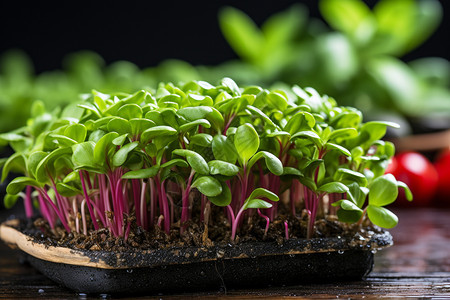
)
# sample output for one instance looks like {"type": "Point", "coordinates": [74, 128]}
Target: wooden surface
{"type": "Point", "coordinates": [417, 266]}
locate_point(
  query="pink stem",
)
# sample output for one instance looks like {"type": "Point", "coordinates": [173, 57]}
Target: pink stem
{"type": "Point", "coordinates": [267, 220]}
{"type": "Point", "coordinates": [57, 211]}
{"type": "Point", "coordinates": [88, 201]}
{"type": "Point", "coordinates": [286, 230]}
{"type": "Point", "coordinates": [28, 204]}
{"type": "Point", "coordinates": [45, 211]}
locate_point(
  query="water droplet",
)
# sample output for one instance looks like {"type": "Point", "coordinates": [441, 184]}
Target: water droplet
{"type": "Point", "coordinates": [291, 255]}
{"type": "Point", "coordinates": [104, 296]}
{"type": "Point", "coordinates": [40, 291]}
{"type": "Point", "coordinates": [373, 251]}
{"type": "Point", "coordinates": [130, 271]}
{"type": "Point", "coordinates": [328, 253]}
{"type": "Point", "coordinates": [339, 237]}
{"type": "Point", "coordinates": [91, 278]}
{"type": "Point", "coordinates": [202, 273]}
{"type": "Point", "coordinates": [82, 296]}
{"type": "Point", "coordinates": [340, 252]}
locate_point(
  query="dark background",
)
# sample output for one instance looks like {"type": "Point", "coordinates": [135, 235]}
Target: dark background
{"type": "Point", "coordinates": [146, 32]}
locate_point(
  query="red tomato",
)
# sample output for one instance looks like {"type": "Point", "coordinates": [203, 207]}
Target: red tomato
{"type": "Point", "coordinates": [442, 165]}
{"type": "Point", "coordinates": [419, 174]}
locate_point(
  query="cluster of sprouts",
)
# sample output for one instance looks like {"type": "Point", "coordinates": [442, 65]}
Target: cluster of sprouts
{"type": "Point", "coordinates": [148, 157]}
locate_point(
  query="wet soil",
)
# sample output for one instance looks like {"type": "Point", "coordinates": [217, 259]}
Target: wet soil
{"type": "Point", "coordinates": [217, 233]}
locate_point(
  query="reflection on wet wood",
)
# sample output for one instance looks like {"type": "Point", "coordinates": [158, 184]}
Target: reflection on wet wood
{"type": "Point", "coordinates": [417, 266]}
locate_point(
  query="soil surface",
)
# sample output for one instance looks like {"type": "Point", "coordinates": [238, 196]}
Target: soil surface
{"type": "Point", "coordinates": [197, 234]}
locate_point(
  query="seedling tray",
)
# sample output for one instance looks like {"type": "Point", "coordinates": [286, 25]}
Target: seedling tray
{"type": "Point", "coordinates": [296, 261]}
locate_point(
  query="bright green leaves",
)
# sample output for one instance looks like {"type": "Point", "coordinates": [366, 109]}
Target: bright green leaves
{"type": "Point", "coordinates": [223, 149]}
{"type": "Point", "coordinates": [83, 155]}
{"type": "Point", "coordinates": [246, 142]}
{"type": "Point", "coordinates": [333, 187]}
{"type": "Point", "coordinates": [195, 160]}
{"type": "Point", "coordinates": [349, 16]}
{"type": "Point", "coordinates": [76, 132]}
{"type": "Point", "coordinates": [104, 147]}
{"type": "Point", "coordinates": [122, 154]}
{"type": "Point", "coordinates": [208, 186]}
{"type": "Point", "coordinates": [383, 190]}
{"type": "Point", "coordinates": [224, 198]}
{"type": "Point", "coordinates": [255, 200]}
{"type": "Point", "coordinates": [223, 168]}
{"type": "Point", "coordinates": [381, 216]}
{"type": "Point", "coordinates": [157, 131]}
{"type": "Point", "coordinates": [18, 184]}
{"type": "Point", "coordinates": [272, 162]}
{"type": "Point", "coordinates": [142, 173]}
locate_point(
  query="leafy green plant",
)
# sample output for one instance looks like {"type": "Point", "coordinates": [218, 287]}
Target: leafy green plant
{"type": "Point", "coordinates": [159, 157]}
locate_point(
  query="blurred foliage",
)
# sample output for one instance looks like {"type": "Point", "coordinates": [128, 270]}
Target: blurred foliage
{"type": "Point", "coordinates": [356, 61]}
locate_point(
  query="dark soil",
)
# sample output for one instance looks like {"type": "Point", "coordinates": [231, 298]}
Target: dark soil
{"type": "Point", "coordinates": [197, 234]}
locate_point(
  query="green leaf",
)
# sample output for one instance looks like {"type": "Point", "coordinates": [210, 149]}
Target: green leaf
{"type": "Point", "coordinates": [231, 85]}
{"type": "Point", "coordinates": [246, 142]}
{"type": "Point", "coordinates": [194, 124]}
{"type": "Point", "coordinates": [347, 205]}
{"type": "Point", "coordinates": [121, 156]}
{"type": "Point", "coordinates": [195, 160]}
{"type": "Point", "coordinates": [343, 133]}
{"type": "Point", "coordinates": [263, 116]}
{"type": "Point", "coordinates": [130, 111]}
{"type": "Point", "coordinates": [381, 216]}
{"type": "Point", "coordinates": [15, 163]}
{"type": "Point", "coordinates": [46, 166]}
{"type": "Point", "coordinates": [223, 149]}
{"type": "Point", "coordinates": [408, 193]}
{"type": "Point", "coordinates": [202, 100]}
{"type": "Point", "coordinates": [157, 131]}
{"type": "Point", "coordinates": [201, 139]}
{"type": "Point", "coordinates": [241, 33]}
{"type": "Point", "coordinates": [333, 187]}
{"type": "Point", "coordinates": [349, 216]}
{"type": "Point", "coordinates": [347, 16]}
{"type": "Point", "coordinates": [139, 125]}
{"type": "Point", "coordinates": [19, 183]}
{"type": "Point", "coordinates": [175, 162]}
{"type": "Point", "coordinates": [224, 198]}
{"type": "Point", "coordinates": [309, 135]}
{"type": "Point", "coordinates": [345, 175]}
{"type": "Point", "coordinates": [83, 155]}
{"type": "Point", "coordinates": [67, 190]}
{"type": "Point", "coordinates": [119, 125]}
{"type": "Point", "coordinates": [383, 190]}
{"type": "Point", "coordinates": [10, 200]}
{"type": "Point", "coordinates": [272, 162]}
{"type": "Point", "coordinates": [263, 193]}
{"type": "Point", "coordinates": [195, 112]}
{"type": "Point", "coordinates": [76, 132]}
{"type": "Point", "coordinates": [343, 150]}
{"type": "Point", "coordinates": [301, 121]}
{"type": "Point", "coordinates": [257, 203]}
{"type": "Point", "coordinates": [222, 168]}
{"type": "Point", "coordinates": [33, 161]}
{"type": "Point", "coordinates": [277, 101]}
{"type": "Point", "coordinates": [208, 186]}
{"type": "Point", "coordinates": [103, 147]}
{"type": "Point", "coordinates": [142, 173]}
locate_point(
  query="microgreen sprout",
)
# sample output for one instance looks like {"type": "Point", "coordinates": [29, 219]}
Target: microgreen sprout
{"type": "Point", "coordinates": [155, 157]}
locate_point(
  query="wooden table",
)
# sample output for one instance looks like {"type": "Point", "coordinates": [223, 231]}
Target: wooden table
{"type": "Point", "coordinates": [417, 266]}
